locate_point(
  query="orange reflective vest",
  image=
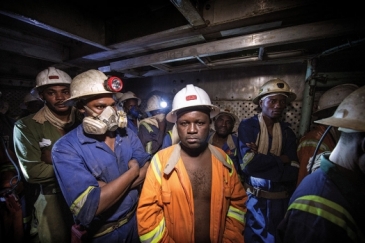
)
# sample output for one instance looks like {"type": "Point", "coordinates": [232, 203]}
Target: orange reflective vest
{"type": "Point", "coordinates": [165, 210]}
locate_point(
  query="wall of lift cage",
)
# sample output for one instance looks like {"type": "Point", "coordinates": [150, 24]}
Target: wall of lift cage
{"type": "Point", "coordinates": [231, 89]}
{"type": "Point", "coordinates": [235, 88]}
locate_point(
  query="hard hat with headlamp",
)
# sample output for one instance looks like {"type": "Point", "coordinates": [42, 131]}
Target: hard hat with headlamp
{"type": "Point", "coordinates": [274, 86]}
{"type": "Point", "coordinates": [350, 114]}
{"type": "Point", "coordinates": [191, 96]}
{"type": "Point", "coordinates": [50, 76]}
{"type": "Point", "coordinates": [155, 102]}
{"type": "Point", "coordinates": [91, 83]}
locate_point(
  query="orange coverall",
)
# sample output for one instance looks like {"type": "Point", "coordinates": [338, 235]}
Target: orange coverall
{"type": "Point", "coordinates": [307, 146]}
{"type": "Point", "coordinates": [165, 210]}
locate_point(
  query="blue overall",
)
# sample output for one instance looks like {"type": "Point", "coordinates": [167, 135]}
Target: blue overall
{"type": "Point", "coordinates": [327, 206]}
{"type": "Point", "coordinates": [81, 161]}
{"type": "Point", "coordinates": [268, 173]}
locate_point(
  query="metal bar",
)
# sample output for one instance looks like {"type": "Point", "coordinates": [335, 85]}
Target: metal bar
{"type": "Point", "coordinates": [308, 98]}
{"type": "Point", "coordinates": [52, 29]}
{"type": "Point", "coordinates": [287, 35]}
{"type": "Point", "coordinates": [189, 12]}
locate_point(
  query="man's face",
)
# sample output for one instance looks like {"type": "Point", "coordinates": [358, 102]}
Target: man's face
{"type": "Point", "coordinates": [128, 104]}
{"type": "Point", "coordinates": [223, 125]}
{"type": "Point", "coordinates": [98, 103]}
{"type": "Point", "coordinates": [273, 106]}
{"type": "Point", "coordinates": [193, 129]}
{"type": "Point", "coordinates": [55, 96]}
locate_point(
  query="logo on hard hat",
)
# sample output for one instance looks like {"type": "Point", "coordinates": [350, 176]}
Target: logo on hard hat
{"type": "Point", "coordinates": [191, 97]}
{"type": "Point", "coordinates": [280, 85]}
{"type": "Point", "coordinates": [53, 77]}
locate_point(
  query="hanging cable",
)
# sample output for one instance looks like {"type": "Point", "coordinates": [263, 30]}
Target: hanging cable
{"type": "Point", "coordinates": [318, 145]}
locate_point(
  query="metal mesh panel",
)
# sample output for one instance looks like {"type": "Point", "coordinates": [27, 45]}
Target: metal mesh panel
{"type": "Point", "coordinates": [246, 109]}
{"type": "Point", "coordinates": [14, 97]}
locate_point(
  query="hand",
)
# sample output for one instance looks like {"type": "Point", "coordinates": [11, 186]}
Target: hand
{"type": "Point", "coordinates": [253, 147]}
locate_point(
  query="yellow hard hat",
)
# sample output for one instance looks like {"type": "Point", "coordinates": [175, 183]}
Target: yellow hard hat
{"type": "Point", "coordinates": [275, 86]}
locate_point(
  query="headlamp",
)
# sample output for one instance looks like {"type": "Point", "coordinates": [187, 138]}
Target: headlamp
{"type": "Point", "coordinates": [113, 84]}
{"type": "Point", "coordinates": [163, 104]}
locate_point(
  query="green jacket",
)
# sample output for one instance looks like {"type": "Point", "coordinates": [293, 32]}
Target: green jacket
{"type": "Point", "coordinates": [27, 137]}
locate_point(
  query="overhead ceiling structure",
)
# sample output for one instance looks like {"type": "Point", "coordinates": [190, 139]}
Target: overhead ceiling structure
{"type": "Point", "coordinates": [136, 39]}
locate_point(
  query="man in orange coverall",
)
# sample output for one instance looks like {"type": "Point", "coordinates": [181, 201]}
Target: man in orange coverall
{"type": "Point", "coordinates": [327, 105]}
{"type": "Point", "coordinates": [192, 192]}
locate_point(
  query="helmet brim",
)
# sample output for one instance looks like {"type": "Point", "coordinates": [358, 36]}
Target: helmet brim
{"type": "Point", "coordinates": [38, 89]}
{"type": "Point", "coordinates": [320, 112]}
{"type": "Point", "coordinates": [235, 118]}
{"type": "Point", "coordinates": [291, 97]}
{"type": "Point", "coordinates": [172, 117]}
{"type": "Point", "coordinates": [72, 101]}
{"type": "Point", "coordinates": [343, 122]}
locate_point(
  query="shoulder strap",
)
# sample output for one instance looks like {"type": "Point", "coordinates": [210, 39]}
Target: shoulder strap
{"type": "Point", "coordinates": [214, 150]}
{"type": "Point", "coordinates": [147, 126]}
{"type": "Point", "coordinates": [174, 158]}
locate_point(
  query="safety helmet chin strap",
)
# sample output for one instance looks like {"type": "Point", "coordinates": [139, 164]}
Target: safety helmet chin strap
{"type": "Point", "coordinates": [91, 111]}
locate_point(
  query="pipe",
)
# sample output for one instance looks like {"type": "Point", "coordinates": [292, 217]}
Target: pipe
{"type": "Point", "coordinates": [308, 98]}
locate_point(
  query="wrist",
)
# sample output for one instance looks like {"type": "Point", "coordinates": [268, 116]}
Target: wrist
{"type": "Point", "coordinates": [134, 170]}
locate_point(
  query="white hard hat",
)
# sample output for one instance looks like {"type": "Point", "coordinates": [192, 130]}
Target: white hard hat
{"type": "Point", "coordinates": [155, 103]}
{"type": "Point", "coordinates": [51, 76]}
{"type": "Point", "coordinates": [28, 98]}
{"type": "Point", "coordinates": [126, 96]}
{"type": "Point", "coordinates": [350, 114]}
{"type": "Point", "coordinates": [191, 96]}
{"type": "Point", "coordinates": [89, 83]}
{"type": "Point", "coordinates": [333, 97]}
{"type": "Point", "coordinates": [275, 85]}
